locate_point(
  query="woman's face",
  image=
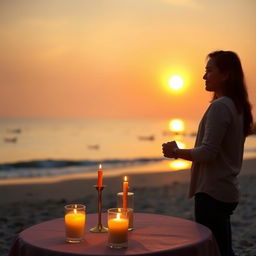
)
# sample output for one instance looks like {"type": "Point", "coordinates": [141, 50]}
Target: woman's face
{"type": "Point", "coordinates": [214, 79]}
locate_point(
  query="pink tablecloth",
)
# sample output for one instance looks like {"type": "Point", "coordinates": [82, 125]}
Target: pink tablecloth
{"type": "Point", "coordinates": [152, 235]}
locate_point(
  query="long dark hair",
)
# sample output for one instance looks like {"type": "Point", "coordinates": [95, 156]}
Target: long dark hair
{"type": "Point", "coordinates": [235, 87]}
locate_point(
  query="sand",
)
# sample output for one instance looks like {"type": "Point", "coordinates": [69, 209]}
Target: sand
{"type": "Point", "coordinates": [24, 203]}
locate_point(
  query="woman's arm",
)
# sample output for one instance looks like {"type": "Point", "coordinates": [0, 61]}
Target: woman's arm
{"type": "Point", "coordinates": [171, 150]}
{"type": "Point", "coordinates": [184, 154]}
{"type": "Point", "coordinates": [217, 122]}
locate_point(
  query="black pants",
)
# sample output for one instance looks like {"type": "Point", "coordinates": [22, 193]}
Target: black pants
{"type": "Point", "coordinates": [215, 215]}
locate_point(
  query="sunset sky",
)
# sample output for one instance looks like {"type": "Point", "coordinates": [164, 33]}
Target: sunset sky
{"type": "Point", "coordinates": [113, 58]}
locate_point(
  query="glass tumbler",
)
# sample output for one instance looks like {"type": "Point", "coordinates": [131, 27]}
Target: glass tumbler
{"type": "Point", "coordinates": [75, 219]}
{"type": "Point", "coordinates": [117, 228]}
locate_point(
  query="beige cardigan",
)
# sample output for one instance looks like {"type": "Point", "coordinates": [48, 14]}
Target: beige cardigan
{"type": "Point", "coordinates": [218, 153]}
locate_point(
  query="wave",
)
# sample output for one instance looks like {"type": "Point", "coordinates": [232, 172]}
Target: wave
{"type": "Point", "coordinates": [49, 167]}
{"type": "Point", "coordinates": [68, 163]}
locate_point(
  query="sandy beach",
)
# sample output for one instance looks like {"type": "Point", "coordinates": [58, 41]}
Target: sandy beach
{"type": "Point", "coordinates": [25, 203]}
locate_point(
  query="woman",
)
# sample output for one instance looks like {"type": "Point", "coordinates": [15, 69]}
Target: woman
{"type": "Point", "coordinates": [218, 153]}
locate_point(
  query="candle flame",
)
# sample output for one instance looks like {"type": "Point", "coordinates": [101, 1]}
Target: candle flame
{"type": "Point", "coordinates": [118, 216]}
{"type": "Point", "coordinates": [125, 178]}
{"type": "Point", "coordinates": [75, 211]}
{"type": "Point", "coordinates": [100, 166]}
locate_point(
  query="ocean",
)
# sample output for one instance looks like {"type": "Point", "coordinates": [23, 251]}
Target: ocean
{"type": "Point", "coordinates": [50, 147]}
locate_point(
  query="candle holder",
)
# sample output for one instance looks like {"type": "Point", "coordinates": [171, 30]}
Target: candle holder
{"type": "Point", "coordinates": [99, 228]}
{"type": "Point", "coordinates": [118, 224]}
{"type": "Point", "coordinates": [130, 206]}
{"type": "Point", "coordinates": [75, 218]}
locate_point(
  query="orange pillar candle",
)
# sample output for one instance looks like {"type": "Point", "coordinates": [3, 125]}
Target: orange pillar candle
{"type": "Point", "coordinates": [125, 192]}
{"type": "Point", "coordinates": [100, 175]}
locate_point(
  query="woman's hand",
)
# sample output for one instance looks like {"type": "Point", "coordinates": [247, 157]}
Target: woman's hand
{"type": "Point", "coordinates": [169, 149]}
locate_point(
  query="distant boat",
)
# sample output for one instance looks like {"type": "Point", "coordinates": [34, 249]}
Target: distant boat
{"type": "Point", "coordinates": [94, 147]}
{"type": "Point", "coordinates": [18, 130]}
{"type": "Point", "coordinates": [10, 140]}
{"type": "Point", "coordinates": [170, 133]}
{"type": "Point", "coordinates": [151, 137]}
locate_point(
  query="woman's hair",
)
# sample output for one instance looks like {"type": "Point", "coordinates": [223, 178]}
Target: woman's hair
{"type": "Point", "coordinates": [234, 87]}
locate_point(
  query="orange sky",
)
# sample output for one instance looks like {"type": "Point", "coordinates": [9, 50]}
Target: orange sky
{"type": "Point", "coordinates": [110, 58]}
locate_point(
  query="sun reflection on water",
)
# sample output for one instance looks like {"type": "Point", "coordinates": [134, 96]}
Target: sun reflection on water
{"type": "Point", "coordinates": [177, 126]}
{"type": "Point", "coordinates": [179, 164]}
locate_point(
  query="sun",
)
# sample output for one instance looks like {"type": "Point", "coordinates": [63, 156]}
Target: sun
{"type": "Point", "coordinates": [176, 82]}
{"type": "Point", "coordinates": [175, 79]}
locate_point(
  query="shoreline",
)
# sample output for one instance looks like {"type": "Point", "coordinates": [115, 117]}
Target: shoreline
{"type": "Point", "coordinates": [75, 185]}
{"type": "Point", "coordinates": [161, 167]}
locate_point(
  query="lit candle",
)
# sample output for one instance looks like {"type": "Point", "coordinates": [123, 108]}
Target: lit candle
{"type": "Point", "coordinates": [118, 229]}
{"type": "Point", "coordinates": [130, 206]}
{"type": "Point", "coordinates": [75, 224]}
{"type": "Point", "coordinates": [125, 192]}
{"type": "Point", "coordinates": [100, 174]}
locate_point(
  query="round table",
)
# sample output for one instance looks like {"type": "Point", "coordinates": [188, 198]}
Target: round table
{"type": "Point", "coordinates": [153, 234]}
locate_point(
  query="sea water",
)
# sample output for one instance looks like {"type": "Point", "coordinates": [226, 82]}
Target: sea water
{"type": "Point", "coordinates": [46, 147]}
